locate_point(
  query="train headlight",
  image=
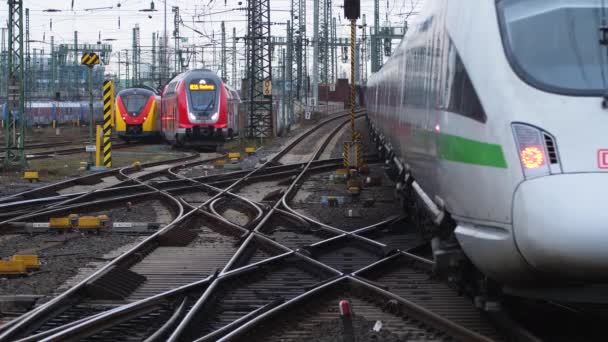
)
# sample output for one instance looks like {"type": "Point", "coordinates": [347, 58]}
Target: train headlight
{"type": "Point", "coordinates": [533, 151]}
{"type": "Point", "coordinates": [532, 157]}
{"type": "Point", "coordinates": [215, 116]}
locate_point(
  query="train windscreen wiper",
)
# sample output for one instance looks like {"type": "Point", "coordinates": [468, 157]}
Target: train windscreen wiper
{"type": "Point", "coordinates": [209, 105]}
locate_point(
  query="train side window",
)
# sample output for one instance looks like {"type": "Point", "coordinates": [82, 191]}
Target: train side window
{"type": "Point", "coordinates": [463, 98]}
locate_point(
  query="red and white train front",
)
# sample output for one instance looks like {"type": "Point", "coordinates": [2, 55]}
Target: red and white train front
{"type": "Point", "coordinates": [199, 109]}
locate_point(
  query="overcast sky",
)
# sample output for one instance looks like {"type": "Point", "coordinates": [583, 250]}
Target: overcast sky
{"type": "Point", "coordinates": [90, 18]}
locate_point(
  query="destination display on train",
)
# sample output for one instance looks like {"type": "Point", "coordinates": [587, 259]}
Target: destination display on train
{"type": "Point", "coordinates": [196, 86]}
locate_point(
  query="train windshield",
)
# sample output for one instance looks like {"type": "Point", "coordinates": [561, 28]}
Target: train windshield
{"type": "Point", "coordinates": [134, 103]}
{"type": "Point", "coordinates": [203, 94]}
{"type": "Point", "coordinates": [555, 44]}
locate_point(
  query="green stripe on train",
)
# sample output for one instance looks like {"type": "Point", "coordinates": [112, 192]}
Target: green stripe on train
{"type": "Point", "coordinates": [459, 149]}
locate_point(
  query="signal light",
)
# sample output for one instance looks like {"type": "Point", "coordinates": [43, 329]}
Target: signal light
{"type": "Point", "coordinates": [532, 157]}
{"type": "Point", "coordinates": [352, 9]}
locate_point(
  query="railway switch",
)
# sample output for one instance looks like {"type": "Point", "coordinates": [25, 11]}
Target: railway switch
{"type": "Point", "coordinates": [234, 156]}
{"type": "Point", "coordinates": [134, 227]}
{"type": "Point", "coordinates": [19, 264]}
{"type": "Point", "coordinates": [32, 176]}
{"type": "Point", "coordinates": [250, 151]}
{"type": "Point", "coordinates": [74, 221]}
{"type": "Point", "coordinates": [92, 222]}
{"type": "Point", "coordinates": [8, 267]}
{"type": "Point", "coordinates": [30, 261]}
{"type": "Point", "coordinates": [63, 222]}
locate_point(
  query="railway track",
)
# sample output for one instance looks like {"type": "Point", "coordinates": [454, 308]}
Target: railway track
{"type": "Point", "coordinates": [232, 267]}
{"type": "Point", "coordinates": [31, 145]}
{"type": "Point", "coordinates": [61, 152]}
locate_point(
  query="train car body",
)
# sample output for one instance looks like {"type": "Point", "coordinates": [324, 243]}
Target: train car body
{"type": "Point", "coordinates": [492, 113]}
{"type": "Point", "coordinates": [199, 109]}
{"type": "Point", "coordinates": [137, 114]}
{"type": "Point", "coordinates": [44, 112]}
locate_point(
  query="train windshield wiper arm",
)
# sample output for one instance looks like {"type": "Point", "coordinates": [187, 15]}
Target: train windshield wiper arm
{"type": "Point", "coordinates": [209, 105]}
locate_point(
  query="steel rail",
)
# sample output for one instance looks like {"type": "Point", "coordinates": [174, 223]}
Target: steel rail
{"type": "Point", "coordinates": [122, 172]}
{"type": "Point", "coordinates": [89, 325]}
{"type": "Point", "coordinates": [201, 302]}
{"type": "Point", "coordinates": [364, 229]}
{"type": "Point", "coordinates": [10, 327]}
{"type": "Point", "coordinates": [131, 197]}
{"type": "Point", "coordinates": [86, 179]}
{"type": "Point", "coordinates": [414, 310]}
{"type": "Point", "coordinates": [36, 314]}
{"type": "Point", "coordinates": [67, 151]}
{"type": "Point", "coordinates": [273, 171]}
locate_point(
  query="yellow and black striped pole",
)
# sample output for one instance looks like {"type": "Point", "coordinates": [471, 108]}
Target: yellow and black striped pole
{"type": "Point", "coordinates": [108, 113]}
{"type": "Point", "coordinates": [345, 157]}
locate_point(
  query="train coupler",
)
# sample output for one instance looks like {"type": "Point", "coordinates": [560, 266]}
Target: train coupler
{"type": "Point", "coordinates": [447, 256]}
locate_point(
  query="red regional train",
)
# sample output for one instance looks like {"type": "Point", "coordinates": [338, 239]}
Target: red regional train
{"type": "Point", "coordinates": [198, 109]}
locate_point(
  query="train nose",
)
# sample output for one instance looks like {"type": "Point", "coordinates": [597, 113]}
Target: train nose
{"type": "Point", "coordinates": [560, 225]}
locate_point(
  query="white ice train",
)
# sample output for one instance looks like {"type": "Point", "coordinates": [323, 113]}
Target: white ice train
{"type": "Point", "coordinates": [496, 110]}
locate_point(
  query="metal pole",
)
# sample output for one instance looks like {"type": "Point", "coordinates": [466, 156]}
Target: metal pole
{"type": "Point", "coordinates": [119, 80]}
{"type": "Point", "coordinates": [203, 57]}
{"type": "Point", "coordinates": [153, 71]}
{"type": "Point", "coordinates": [315, 57]}
{"type": "Point", "coordinates": [214, 51]}
{"type": "Point", "coordinates": [289, 76]}
{"type": "Point", "coordinates": [223, 53]}
{"type": "Point", "coordinates": [234, 74]}
{"type": "Point", "coordinates": [353, 36]}
{"type": "Point", "coordinates": [21, 142]}
{"type": "Point", "coordinates": [28, 64]}
{"type": "Point", "coordinates": [164, 52]}
{"type": "Point", "coordinates": [376, 46]}
{"type": "Point", "coordinates": [92, 117]}
{"type": "Point", "coordinates": [358, 61]}
{"type": "Point", "coordinates": [283, 89]}
{"type": "Point", "coordinates": [15, 86]}
{"type": "Point", "coordinates": [332, 44]}
{"type": "Point", "coordinates": [76, 62]}
{"type": "Point", "coordinates": [4, 60]}
{"type": "Point", "coordinates": [76, 56]}
{"type": "Point", "coordinates": [127, 67]}
{"type": "Point", "coordinates": [53, 67]}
